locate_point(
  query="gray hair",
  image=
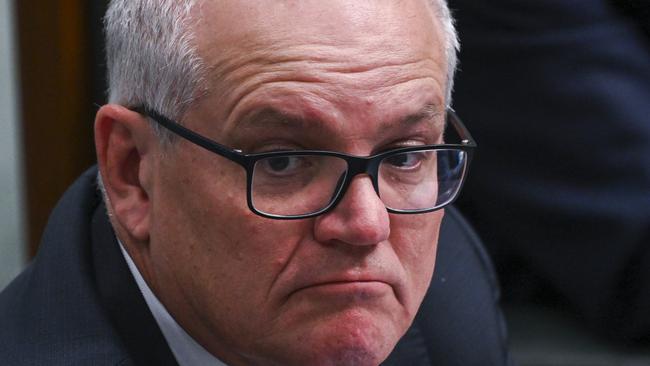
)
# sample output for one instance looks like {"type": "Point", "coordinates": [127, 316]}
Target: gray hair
{"type": "Point", "coordinates": [452, 44]}
{"type": "Point", "coordinates": [153, 61]}
{"type": "Point", "coordinates": [151, 55]}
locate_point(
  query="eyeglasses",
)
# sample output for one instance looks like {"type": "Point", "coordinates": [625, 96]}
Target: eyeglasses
{"type": "Point", "coordinates": [306, 183]}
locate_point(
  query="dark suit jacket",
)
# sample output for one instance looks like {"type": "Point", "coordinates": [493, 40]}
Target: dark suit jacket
{"type": "Point", "coordinates": [77, 303]}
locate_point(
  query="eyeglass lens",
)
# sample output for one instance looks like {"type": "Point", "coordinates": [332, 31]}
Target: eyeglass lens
{"type": "Point", "coordinates": [305, 184]}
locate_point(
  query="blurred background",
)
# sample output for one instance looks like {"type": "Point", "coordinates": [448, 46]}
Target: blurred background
{"type": "Point", "coordinates": [557, 96]}
{"type": "Point", "coordinates": [51, 78]}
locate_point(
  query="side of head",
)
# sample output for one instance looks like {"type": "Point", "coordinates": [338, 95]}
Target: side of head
{"type": "Point", "coordinates": [352, 77]}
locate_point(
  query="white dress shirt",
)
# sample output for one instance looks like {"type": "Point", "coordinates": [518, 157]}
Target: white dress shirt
{"type": "Point", "coordinates": [186, 350]}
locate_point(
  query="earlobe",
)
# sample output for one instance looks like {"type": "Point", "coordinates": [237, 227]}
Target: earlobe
{"type": "Point", "coordinates": [123, 141]}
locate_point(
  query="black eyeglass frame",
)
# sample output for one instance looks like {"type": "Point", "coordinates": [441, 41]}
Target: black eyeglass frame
{"type": "Point", "coordinates": [356, 164]}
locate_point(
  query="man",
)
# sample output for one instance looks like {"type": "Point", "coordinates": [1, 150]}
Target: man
{"type": "Point", "coordinates": [243, 156]}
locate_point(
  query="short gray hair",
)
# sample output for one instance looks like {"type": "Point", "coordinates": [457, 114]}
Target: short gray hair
{"type": "Point", "coordinates": [452, 44]}
{"type": "Point", "coordinates": [153, 61]}
{"type": "Point", "coordinates": [151, 55]}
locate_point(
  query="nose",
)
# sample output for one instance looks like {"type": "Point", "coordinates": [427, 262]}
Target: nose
{"type": "Point", "coordinates": [360, 218]}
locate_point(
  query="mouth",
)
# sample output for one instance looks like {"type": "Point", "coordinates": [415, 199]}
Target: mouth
{"type": "Point", "coordinates": [358, 290]}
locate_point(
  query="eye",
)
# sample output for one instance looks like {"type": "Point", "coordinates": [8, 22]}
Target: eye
{"type": "Point", "coordinates": [406, 161]}
{"type": "Point", "coordinates": [282, 166]}
{"type": "Point", "coordinates": [279, 164]}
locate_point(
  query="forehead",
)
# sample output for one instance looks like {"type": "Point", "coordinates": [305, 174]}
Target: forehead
{"type": "Point", "coordinates": [314, 53]}
{"type": "Point", "coordinates": [229, 23]}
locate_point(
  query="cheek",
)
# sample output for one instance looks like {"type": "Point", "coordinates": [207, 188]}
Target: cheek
{"type": "Point", "coordinates": [220, 257]}
{"type": "Point", "coordinates": [415, 241]}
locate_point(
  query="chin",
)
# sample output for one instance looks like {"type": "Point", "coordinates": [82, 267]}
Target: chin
{"type": "Point", "coordinates": [351, 357]}
{"type": "Point", "coordinates": [358, 354]}
{"type": "Point", "coordinates": [358, 340]}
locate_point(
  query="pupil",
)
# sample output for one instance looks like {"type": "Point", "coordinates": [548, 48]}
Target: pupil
{"type": "Point", "coordinates": [278, 164]}
{"type": "Point", "coordinates": [398, 160]}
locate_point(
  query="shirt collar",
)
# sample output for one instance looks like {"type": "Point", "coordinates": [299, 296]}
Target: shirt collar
{"type": "Point", "coordinates": [186, 350]}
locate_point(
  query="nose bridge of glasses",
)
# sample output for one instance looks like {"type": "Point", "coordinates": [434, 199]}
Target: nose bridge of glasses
{"type": "Point", "coordinates": [355, 166]}
{"type": "Point", "coordinates": [358, 165]}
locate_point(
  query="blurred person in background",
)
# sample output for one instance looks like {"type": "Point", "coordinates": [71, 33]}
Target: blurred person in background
{"type": "Point", "coordinates": [558, 95]}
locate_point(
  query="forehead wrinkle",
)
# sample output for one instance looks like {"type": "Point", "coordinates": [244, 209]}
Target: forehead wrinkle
{"type": "Point", "coordinates": [326, 110]}
{"type": "Point", "coordinates": [235, 69]}
{"type": "Point", "coordinates": [308, 57]}
{"type": "Point", "coordinates": [289, 52]}
{"type": "Point", "coordinates": [327, 83]}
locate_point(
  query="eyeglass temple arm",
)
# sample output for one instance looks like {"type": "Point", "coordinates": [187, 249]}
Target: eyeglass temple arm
{"type": "Point", "coordinates": [204, 142]}
{"type": "Point", "coordinates": [465, 137]}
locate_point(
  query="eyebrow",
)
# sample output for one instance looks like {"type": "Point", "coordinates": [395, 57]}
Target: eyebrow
{"type": "Point", "coordinates": [429, 112]}
{"type": "Point", "coordinates": [270, 117]}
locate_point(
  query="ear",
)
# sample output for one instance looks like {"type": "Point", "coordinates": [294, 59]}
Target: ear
{"type": "Point", "coordinates": [125, 147]}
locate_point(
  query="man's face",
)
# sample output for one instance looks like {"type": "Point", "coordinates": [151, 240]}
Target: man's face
{"type": "Point", "coordinates": [341, 288]}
